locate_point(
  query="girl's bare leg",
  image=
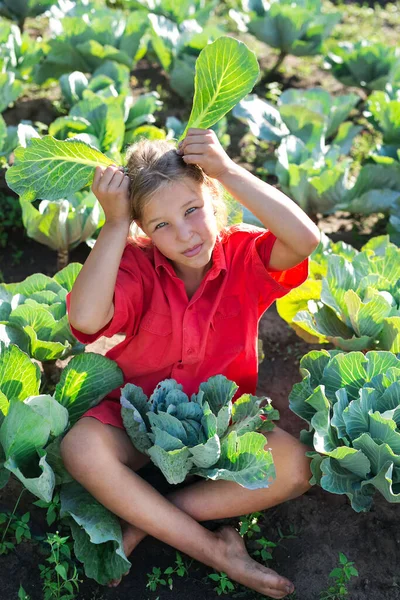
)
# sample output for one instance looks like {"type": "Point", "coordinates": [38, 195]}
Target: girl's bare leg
{"type": "Point", "coordinates": [98, 456]}
{"type": "Point", "coordinates": [207, 500]}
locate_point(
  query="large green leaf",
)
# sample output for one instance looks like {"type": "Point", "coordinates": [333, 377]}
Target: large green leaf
{"type": "Point", "coordinates": [41, 485]}
{"type": "Point", "coordinates": [226, 71]}
{"type": "Point", "coordinates": [175, 465]}
{"type": "Point", "coordinates": [53, 169]}
{"type": "Point", "coordinates": [19, 376]}
{"type": "Point", "coordinates": [85, 381]}
{"type": "Point", "coordinates": [244, 460]}
{"type": "Point", "coordinates": [97, 534]}
{"type": "Point", "coordinates": [217, 392]}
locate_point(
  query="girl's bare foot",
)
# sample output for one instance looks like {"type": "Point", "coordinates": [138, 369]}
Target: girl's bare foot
{"type": "Point", "coordinates": [131, 536]}
{"type": "Point", "coordinates": [240, 567]}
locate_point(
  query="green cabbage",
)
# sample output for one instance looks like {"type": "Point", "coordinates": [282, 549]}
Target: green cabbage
{"type": "Point", "coordinates": [208, 436]}
{"type": "Point", "coordinates": [352, 404]}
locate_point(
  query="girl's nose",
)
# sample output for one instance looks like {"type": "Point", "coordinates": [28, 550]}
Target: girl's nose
{"type": "Point", "coordinates": [183, 232]}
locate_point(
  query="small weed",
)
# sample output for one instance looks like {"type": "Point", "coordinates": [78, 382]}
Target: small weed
{"type": "Point", "coordinates": [58, 581]}
{"type": "Point", "coordinates": [341, 575]}
{"type": "Point", "coordinates": [225, 585]}
{"type": "Point", "coordinates": [17, 527]}
{"type": "Point", "coordinates": [155, 578]}
{"type": "Point", "coordinates": [158, 577]}
{"type": "Point", "coordinates": [265, 551]}
{"type": "Point", "coordinates": [53, 508]}
{"type": "Point", "coordinates": [249, 524]}
{"type": "Point", "coordinates": [292, 535]}
{"type": "Point", "coordinates": [181, 569]}
{"type": "Point", "coordinates": [22, 595]}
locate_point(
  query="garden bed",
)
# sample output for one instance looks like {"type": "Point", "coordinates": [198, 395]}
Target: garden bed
{"type": "Point", "coordinates": [323, 524]}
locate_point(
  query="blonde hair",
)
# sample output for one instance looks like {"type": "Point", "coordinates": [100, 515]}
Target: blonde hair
{"type": "Point", "coordinates": [152, 164]}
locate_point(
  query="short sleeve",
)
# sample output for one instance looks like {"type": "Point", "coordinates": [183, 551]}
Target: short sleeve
{"type": "Point", "coordinates": [279, 283]}
{"type": "Point", "coordinates": [127, 300]}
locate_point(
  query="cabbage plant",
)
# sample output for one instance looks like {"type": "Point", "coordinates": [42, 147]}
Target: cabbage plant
{"type": "Point", "coordinates": [19, 11]}
{"type": "Point", "coordinates": [352, 404]}
{"type": "Point", "coordinates": [364, 64]}
{"type": "Point", "coordinates": [177, 46]}
{"type": "Point", "coordinates": [10, 89]}
{"type": "Point", "coordinates": [13, 136]}
{"type": "Point", "coordinates": [308, 114]}
{"type": "Point", "coordinates": [31, 428]}
{"type": "Point", "coordinates": [63, 224]}
{"type": "Point", "coordinates": [83, 43]}
{"type": "Point", "coordinates": [19, 53]}
{"type": "Point", "coordinates": [310, 291]}
{"type": "Point", "coordinates": [208, 436]}
{"type": "Point", "coordinates": [110, 79]}
{"type": "Point", "coordinates": [293, 27]}
{"type": "Point", "coordinates": [53, 169]}
{"type": "Point", "coordinates": [33, 316]}
{"type": "Point", "coordinates": [383, 110]}
{"type": "Point", "coordinates": [359, 304]}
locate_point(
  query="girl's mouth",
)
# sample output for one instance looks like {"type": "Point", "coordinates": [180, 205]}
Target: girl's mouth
{"type": "Point", "coordinates": [193, 251]}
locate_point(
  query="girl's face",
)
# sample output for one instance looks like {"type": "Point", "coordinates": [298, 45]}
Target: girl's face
{"type": "Point", "coordinates": [180, 220]}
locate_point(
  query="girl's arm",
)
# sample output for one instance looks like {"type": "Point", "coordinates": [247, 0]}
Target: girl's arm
{"type": "Point", "coordinates": [297, 236]}
{"type": "Point", "coordinates": [91, 299]}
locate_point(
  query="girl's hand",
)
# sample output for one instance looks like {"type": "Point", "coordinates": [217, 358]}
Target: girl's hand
{"type": "Point", "coordinates": [202, 147]}
{"type": "Point", "coordinates": [111, 188]}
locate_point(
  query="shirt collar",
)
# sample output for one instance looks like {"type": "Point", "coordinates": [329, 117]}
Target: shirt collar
{"type": "Point", "coordinates": [218, 260]}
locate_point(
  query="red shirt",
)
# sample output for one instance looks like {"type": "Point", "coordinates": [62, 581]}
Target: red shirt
{"type": "Point", "coordinates": [169, 336]}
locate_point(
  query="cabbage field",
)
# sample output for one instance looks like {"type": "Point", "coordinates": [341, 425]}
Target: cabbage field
{"type": "Point", "coordinates": [306, 95]}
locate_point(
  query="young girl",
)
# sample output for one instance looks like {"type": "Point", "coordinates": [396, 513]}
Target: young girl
{"type": "Point", "coordinates": [188, 297]}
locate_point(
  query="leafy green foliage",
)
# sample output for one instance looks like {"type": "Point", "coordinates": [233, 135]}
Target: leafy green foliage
{"type": "Point", "coordinates": [308, 114]}
{"type": "Point", "coordinates": [297, 27]}
{"type": "Point", "coordinates": [18, 53]}
{"type": "Point", "coordinates": [249, 524]}
{"type": "Point", "coordinates": [85, 41]}
{"type": "Point", "coordinates": [351, 402]}
{"type": "Point", "coordinates": [52, 508]}
{"type": "Point", "coordinates": [53, 169]}
{"type": "Point", "coordinates": [341, 575]}
{"type": "Point", "coordinates": [16, 527]}
{"type": "Point", "coordinates": [359, 304]}
{"type": "Point", "coordinates": [19, 11]}
{"type": "Point", "coordinates": [225, 585]}
{"type": "Point", "coordinates": [158, 577]}
{"type": "Point", "coordinates": [96, 532]}
{"type": "Point", "coordinates": [226, 71]}
{"type": "Point", "coordinates": [209, 436]}
{"type": "Point", "coordinates": [31, 424]}
{"type": "Point", "coordinates": [60, 576]}
{"type": "Point", "coordinates": [63, 224]}
{"type": "Point", "coordinates": [33, 315]}
{"type": "Point", "coordinates": [364, 64]}
{"type": "Point", "coordinates": [383, 110]}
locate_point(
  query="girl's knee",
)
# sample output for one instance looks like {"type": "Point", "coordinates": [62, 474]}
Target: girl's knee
{"type": "Point", "coordinates": [77, 445]}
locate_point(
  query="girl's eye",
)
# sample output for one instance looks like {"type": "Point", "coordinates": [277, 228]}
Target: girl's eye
{"type": "Point", "coordinates": [191, 209]}
{"type": "Point", "coordinates": [159, 226]}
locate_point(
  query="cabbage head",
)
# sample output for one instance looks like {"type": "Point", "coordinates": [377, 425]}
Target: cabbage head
{"type": "Point", "coordinates": [209, 435]}
{"type": "Point", "coordinates": [352, 404]}
{"type": "Point", "coordinates": [359, 303]}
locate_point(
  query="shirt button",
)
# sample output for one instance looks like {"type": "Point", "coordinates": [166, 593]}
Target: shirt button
{"type": "Point", "coordinates": [190, 351]}
{"type": "Point", "coordinates": [179, 366]}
